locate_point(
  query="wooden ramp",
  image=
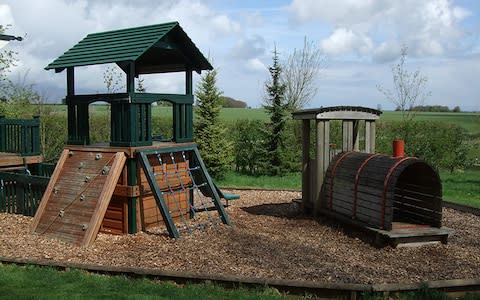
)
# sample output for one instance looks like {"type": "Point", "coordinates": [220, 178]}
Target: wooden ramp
{"type": "Point", "coordinates": [77, 196]}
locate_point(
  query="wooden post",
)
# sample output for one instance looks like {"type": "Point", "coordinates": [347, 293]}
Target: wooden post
{"type": "Point", "coordinates": [71, 108]}
{"type": "Point", "coordinates": [320, 166]}
{"type": "Point", "coordinates": [132, 181]}
{"type": "Point", "coordinates": [368, 137]}
{"type": "Point", "coordinates": [372, 137]}
{"type": "Point", "coordinates": [132, 137]}
{"type": "Point", "coordinates": [326, 146]}
{"type": "Point", "coordinates": [356, 139]}
{"type": "Point", "coordinates": [189, 125]}
{"type": "Point", "coordinates": [347, 128]}
{"type": "Point", "coordinates": [306, 197]}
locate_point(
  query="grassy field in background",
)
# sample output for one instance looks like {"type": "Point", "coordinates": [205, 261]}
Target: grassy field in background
{"type": "Point", "coordinates": [469, 121]}
{"type": "Point", "coordinates": [47, 283]}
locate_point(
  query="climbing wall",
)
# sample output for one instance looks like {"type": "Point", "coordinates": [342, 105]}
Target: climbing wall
{"type": "Point", "coordinates": [77, 196]}
{"type": "Point", "coordinates": [174, 176]}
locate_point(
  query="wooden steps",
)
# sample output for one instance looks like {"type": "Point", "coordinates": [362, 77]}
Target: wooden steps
{"type": "Point", "coordinates": [77, 196]}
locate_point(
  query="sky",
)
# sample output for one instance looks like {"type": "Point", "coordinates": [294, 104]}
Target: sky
{"type": "Point", "coordinates": [360, 41]}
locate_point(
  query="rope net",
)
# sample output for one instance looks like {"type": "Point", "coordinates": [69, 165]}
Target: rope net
{"type": "Point", "coordinates": [185, 190]}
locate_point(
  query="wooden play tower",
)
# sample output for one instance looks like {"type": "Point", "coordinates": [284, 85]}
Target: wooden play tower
{"type": "Point", "coordinates": [132, 181]}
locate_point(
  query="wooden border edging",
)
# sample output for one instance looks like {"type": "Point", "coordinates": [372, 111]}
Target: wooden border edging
{"type": "Point", "coordinates": [462, 207]}
{"type": "Point", "coordinates": [299, 287]}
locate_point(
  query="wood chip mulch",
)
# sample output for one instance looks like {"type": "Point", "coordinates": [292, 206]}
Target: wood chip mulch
{"type": "Point", "coordinates": [270, 238]}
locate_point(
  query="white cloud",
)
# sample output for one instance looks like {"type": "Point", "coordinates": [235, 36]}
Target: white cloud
{"type": "Point", "coordinates": [256, 65]}
{"type": "Point", "coordinates": [342, 12]}
{"type": "Point", "coordinates": [53, 26]}
{"type": "Point", "coordinates": [429, 27]}
{"type": "Point", "coordinates": [249, 47]}
{"type": "Point", "coordinates": [5, 15]}
{"type": "Point", "coordinates": [386, 52]}
{"type": "Point", "coordinates": [343, 41]}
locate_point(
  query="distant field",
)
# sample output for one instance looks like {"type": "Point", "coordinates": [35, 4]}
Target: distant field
{"type": "Point", "coordinates": [469, 121]}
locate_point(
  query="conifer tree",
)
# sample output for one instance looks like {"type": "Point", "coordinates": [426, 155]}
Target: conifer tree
{"type": "Point", "coordinates": [277, 109]}
{"type": "Point", "coordinates": [210, 136]}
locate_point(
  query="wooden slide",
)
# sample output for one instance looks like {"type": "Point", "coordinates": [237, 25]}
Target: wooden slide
{"type": "Point", "coordinates": [77, 196]}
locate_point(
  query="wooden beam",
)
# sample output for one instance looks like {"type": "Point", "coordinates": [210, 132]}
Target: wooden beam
{"type": "Point", "coordinates": [319, 174]}
{"type": "Point", "coordinates": [189, 82]}
{"type": "Point", "coordinates": [131, 78]}
{"type": "Point", "coordinates": [356, 137]}
{"type": "Point", "coordinates": [347, 129]}
{"type": "Point", "coordinates": [372, 137]}
{"type": "Point", "coordinates": [368, 137]}
{"type": "Point", "coordinates": [306, 197]}
{"type": "Point", "coordinates": [70, 81]}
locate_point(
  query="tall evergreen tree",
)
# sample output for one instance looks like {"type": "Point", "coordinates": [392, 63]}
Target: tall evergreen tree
{"type": "Point", "coordinates": [210, 135]}
{"type": "Point", "coordinates": [277, 108]}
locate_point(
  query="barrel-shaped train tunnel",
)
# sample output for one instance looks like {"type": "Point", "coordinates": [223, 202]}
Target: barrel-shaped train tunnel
{"type": "Point", "coordinates": [383, 192]}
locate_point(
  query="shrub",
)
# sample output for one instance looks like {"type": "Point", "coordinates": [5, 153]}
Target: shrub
{"type": "Point", "coordinates": [213, 144]}
{"type": "Point", "coordinates": [444, 145]}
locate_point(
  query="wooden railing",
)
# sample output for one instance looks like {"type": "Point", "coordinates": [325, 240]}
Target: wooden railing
{"type": "Point", "coordinates": [21, 193]}
{"type": "Point", "coordinates": [20, 136]}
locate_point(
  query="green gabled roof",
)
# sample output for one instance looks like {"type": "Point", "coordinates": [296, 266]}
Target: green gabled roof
{"type": "Point", "coordinates": [154, 49]}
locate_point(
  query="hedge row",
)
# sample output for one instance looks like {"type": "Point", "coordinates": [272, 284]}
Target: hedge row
{"type": "Point", "coordinates": [444, 145]}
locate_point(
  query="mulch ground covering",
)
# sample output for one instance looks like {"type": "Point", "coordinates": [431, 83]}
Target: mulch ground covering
{"type": "Point", "coordinates": [270, 238]}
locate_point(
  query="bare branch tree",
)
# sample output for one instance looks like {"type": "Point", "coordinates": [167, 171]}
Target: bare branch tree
{"type": "Point", "coordinates": [409, 90]}
{"type": "Point", "coordinates": [299, 74]}
{"type": "Point", "coordinates": [114, 80]}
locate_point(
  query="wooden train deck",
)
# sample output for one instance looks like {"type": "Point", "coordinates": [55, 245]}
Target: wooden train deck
{"type": "Point", "coordinates": [407, 233]}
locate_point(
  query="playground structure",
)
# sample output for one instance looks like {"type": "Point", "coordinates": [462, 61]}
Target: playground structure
{"type": "Point", "coordinates": [398, 199]}
{"type": "Point", "coordinates": [133, 181]}
{"type": "Point", "coordinates": [19, 143]}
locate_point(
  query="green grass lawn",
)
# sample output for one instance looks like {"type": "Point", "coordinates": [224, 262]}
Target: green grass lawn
{"type": "Point", "coordinates": [462, 187]}
{"type": "Point", "coordinates": [291, 181]}
{"type": "Point", "coordinates": [46, 283]}
{"type": "Point", "coordinates": [31, 282]}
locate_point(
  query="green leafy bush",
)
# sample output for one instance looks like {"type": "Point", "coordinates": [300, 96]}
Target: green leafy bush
{"type": "Point", "coordinates": [444, 145]}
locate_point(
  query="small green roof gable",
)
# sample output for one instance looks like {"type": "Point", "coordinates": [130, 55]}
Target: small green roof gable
{"type": "Point", "coordinates": [154, 49]}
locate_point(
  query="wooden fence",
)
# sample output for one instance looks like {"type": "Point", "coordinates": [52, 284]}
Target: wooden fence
{"type": "Point", "coordinates": [21, 193]}
{"type": "Point", "coordinates": [20, 136]}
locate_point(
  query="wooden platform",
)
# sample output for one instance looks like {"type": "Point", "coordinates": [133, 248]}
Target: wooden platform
{"type": "Point", "coordinates": [11, 161]}
{"type": "Point", "coordinates": [130, 152]}
{"type": "Point", "coordinates": [407, 233]}
{"type": "Point", "coordinates": [78, 194]}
